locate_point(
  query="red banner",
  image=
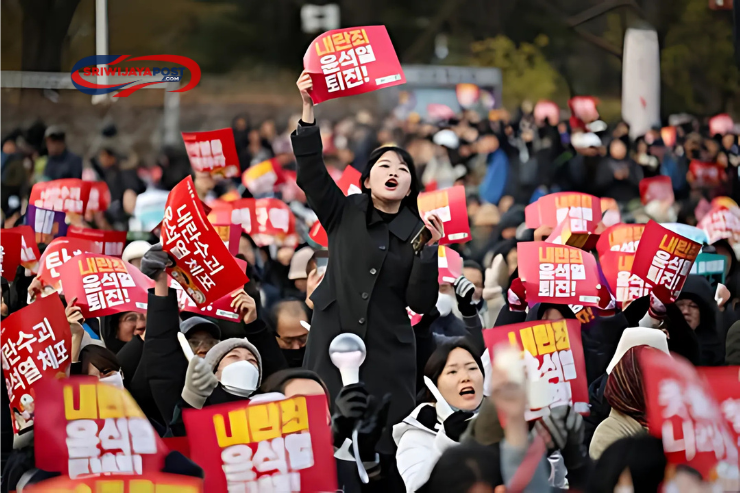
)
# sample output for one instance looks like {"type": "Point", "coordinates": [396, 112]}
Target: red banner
{"type": "Point", "coordinates": [229, 234]}
{"type": "Point", "coordinates": [449, 204]}
{"type": "Point", "coordinates": [67, 195]}
{"type": "Point", "coordinates": [204, 267]}
{"type": "Point", "coordinates": [656, 188]}
{"type": "Point", "coordinates": [275, 224]}
{"type": "Point", "coordinates": [721, 224]}
{"type": "Point", "coordinates": [450, 265]}
{"type": "Point", "coordinates": [583, 211]}
{"type": "Point", "coordinates": [558, 274]}
{"type": "Point", "coordinates": [243, 213]}
{"type": "Point", "coordinates": [99, 199]}
{"type": "Point", "coordinates": [105, 285]}
{"type": "Point", "coordinates": [546, 111]}
{"type": "Point", "coordinates": [145, 483]}
{"type": "Point", "coordinates": [221, 308]}
{"type": "Point", "coordinates": [11, 244]}
{"type": "Point", "coordinates": [349, 184]}
{"type": "Point", "coordinates": [57, 254]}
{"type": "Point", "coordinates": [30, 254]}
{"type": "Point", "coordinates": [347, 62]}
{"type": "Point", "coordinates": [663, 260]}
{"type": "Point", "coordinates": [262, 178]}
{"type": "Point", "coordinates": [85, 428]}
{"type": "Point", "coordinates": [721, 124]}
{"type": "Point", "coordinates": [36, 342]}
{"type": "Point", "coordinates": [682, 411]}
{"type": "Point", "coordinates": [706, 174]}
{"type": "Point", "coordinates": [553, 360]}
{"type": "Point", "coordinates": [725, 385]}
{"type": "Point", "coordinates": [414, 317]}
{"type": "Point", "coordinates": [109, 243]}
{"type": "Point", "coordinates": [285, 445]}
{"type": "Point", "coordinates": [213, 152]}
{"type": "Point", "coordinates": [617, 268]}
{"type": "Point", "coordinates": [620, 238]}
{"type": "Point", "coordinates": [584, 108]}
{"type": "Point", "coordinates": [563, 235]}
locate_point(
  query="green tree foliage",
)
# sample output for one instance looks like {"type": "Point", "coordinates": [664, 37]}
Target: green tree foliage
{"type": "Point", "coordinates": [526, 72]}
{"type": "Point", "coordinates": [698, 71]}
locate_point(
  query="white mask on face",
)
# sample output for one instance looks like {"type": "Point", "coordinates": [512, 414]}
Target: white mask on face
{"type": "Point", "coordinates": [240, 378]}
{"type": "Point", "coordinates": [445, 302]}
{"type": "Point", "coordinates": [115, 379]}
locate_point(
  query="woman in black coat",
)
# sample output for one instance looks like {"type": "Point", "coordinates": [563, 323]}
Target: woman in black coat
{"type": "Point", "coordinates": [373, 272]}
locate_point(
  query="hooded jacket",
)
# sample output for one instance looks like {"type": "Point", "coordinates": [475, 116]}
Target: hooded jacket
{"type": "Point", "coordinates": [711, 343]}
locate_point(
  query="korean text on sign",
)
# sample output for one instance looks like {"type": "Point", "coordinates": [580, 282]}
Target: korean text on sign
{"type": "Point", "coordinates": [617, 268]}
{"type": "Point", "coordinates": [449, 206]}
{"type": "Point", "coordinates": [560, 269]}
{"type": "Point", "coordinates": [620, 238]}
{"type": "Point", "coordinates": [147, 483]}
{"type": "Point", "coordinates": [67, 195]}
{"type": "Point", "coordinates": [343, 59]}
{"type": "Point", "coordinates": [212, 151]}
{"type": "Point", "coordinates": [104, 431]}
{"type": "Point", "coordinates": [553, 353]}
{"type": "Point", "coordinates": [275, 446]}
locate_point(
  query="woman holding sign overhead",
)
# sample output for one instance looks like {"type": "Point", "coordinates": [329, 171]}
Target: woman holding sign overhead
{"type": "Point", "coordinates": [374, 270]}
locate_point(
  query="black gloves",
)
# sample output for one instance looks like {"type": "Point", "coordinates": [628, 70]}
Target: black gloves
{"type": "Point", "coordinates": [464, 290]}
{"type": "Point", "coordinates": [354, 405]}
{"type": "Point", "coordinates": [566, 428]}
{"type": "Point", "coordinates": [456, 423]}
{"type": "Point", "coordinates": [154, 261]}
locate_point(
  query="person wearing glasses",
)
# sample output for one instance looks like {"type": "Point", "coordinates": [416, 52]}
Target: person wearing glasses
{"type": "Point", "coordinates": [289, 320]}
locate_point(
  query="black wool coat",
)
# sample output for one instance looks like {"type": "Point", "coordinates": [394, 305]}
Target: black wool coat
{"type": "Point", "coordinates": [372, 276]}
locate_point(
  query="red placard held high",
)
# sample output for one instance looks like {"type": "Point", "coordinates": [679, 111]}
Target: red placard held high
{"type": "Point", "coordinates": [721, 224]}
{"type": "Point", "coordinates": [10, 253]}
{"type": "Point", "coordinates": [221, 308]}
{"type": "Point", "coordinates": [663, 260]}
{"type": "Point", "coordinates": [105, 242]}
{"type": "Point", "coordinates": [30, 254]}
{"type": "Point", "coordinates": [275, 224]}
{"type": "Point", "coordinates": [59, 252]}
{"type": "Point", "coordinates": [706, 175]}
{"type": "Point", "coordinates": [227, 439]}
{"type": "Point", "coordinates": [449, 264]}
{"type": "Point", "coordinates": [449, 204]}
{"type": "Point", "coordinates": [620, 238]}
{"type": "Point", "coordinates": [262, 178]}
{"type": "Point", "coordinates": [66, 195]}
{"type": "Point", "coordinates": [656, 188]}
{"type": "Point", "coordinates": [617, 269]}
{"type": "Point", "coordinates": [347, 62]}
{"type": "Point", "coordinates": [203, 265]}
{"type": "Point", "coordinates": [147, 482]}
{"type": "Point", "coordinates": [213, 152]}
{"type": "Point", "coordinates": [36, 342]}
{"type": "Point", "coordinates": [99, 199]}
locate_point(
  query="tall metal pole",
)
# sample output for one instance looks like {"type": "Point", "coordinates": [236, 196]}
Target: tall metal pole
{"type": "Point", "coordinates": [101, 42]}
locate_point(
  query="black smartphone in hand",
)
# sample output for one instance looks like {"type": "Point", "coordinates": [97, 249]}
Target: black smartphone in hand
{"type": "Point", "coordinates": [421, 239]}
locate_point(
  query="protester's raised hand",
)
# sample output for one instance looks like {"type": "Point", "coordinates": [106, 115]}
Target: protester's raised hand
{"type": "Point", "coordinates": [305, 84]}
{"type": "Point", "coordinates": [508, 396]}
{"type": "Point", "coordinates": [199, 382]}
{"type": "Point", "coordinates": [314, 279]}
{"type": "Point", "coordinates": [34, 289]}
{"type": "Point", "coordinates": [154, 262]}
{"type": "Point", "coordinates": [74, 313]}
{"type": "Point", "coordinates": [464, 290]}
{"type": "Point", "coordinates": [245, 305]}
{"type": "Point", "coordinates": [374, 421]}
{"type": "Point", "coordinates": [435, 226]}
{"type": "Point", "coordinates": [350, 406]}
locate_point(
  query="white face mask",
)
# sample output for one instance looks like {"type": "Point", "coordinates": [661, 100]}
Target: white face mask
{"type": "Point", "coordinates": [240, 378]}
{"type": "Point", "coordinates": [445, 302]}
{"type": "Point", "coordinates": [115, 379]}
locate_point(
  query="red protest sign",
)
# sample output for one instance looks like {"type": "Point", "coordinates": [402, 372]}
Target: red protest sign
{"type": "Point", "coordinates": [449, 264]}
{"type": "Point", "coordinates": [553, 355]}
{"type": "Point", "coordinates": [347, 62]}
{"type": "Point", "coordinates": [617, 269]}
{"type": "Point", "coordinates": [584, 108]}
{"type": "Point", "coordinates": [262, 178]}
{"type": "Point", "coordinates": [349, 184]}
{"type": "Point", "coordinates": [449, 205]}
{"type": "Point", "coordinates": [721, 224]}
{"type": "Point", "coordinates": [243, 212]}
{"type": "Point", "coordinates": [29, 249]}
{"type": "Point", "coordinates": [213, 152]}
{"type": "Point", "coordinates": [725, 385]}
{"type": "Point", "coordinates": [682, 412]}
{"type": "Point", "coordinates": [229, 234]}
{"type": "Point", "coordinates": [548, 111]}
{"type": "Point", "coordinates": [663, 260]}
{"type": "Point", "coordinates": [66, 195]}
{"type": "Point", "coordinates": [706, 174]}
{"type": "Point", "coordinates": [221, 308]}
{"type": "Point", "coordinates": [204, 267]}
{"type": "Point", "coordinates": [286, 444]}
{"type": "Point", "coordinates": [721, 124]}
{"type": "Point", "coordinates": [583, 211]}
{"type": "Point", "coordinates": [656, 188]}
{"type": "Point", "coordinates": [57, 254]}
{"type": "Point", "coordinates": [104, 242]}
{"type": "Point", "coordinates": [563, 235]}
{"type": "Point", "coordinates": [147, 482]}
{"type": "Point", "coordinates": [414, 317]}
{"type": "Point", "coordinates": [620, 238]}
{"type": "Point", "coordinates": [11, 243]}
{"type": "Point", "coordinates": [558, 274]}
{"type": "Point", "coordinates": [36, 342]}
{"type": "Point", "coordinates": [102, 431]}
{"type": "Point", "coordinates": [275, 224]}
{"type": "Point", "coordinates": [99, 199]}
{"type": "Point", "coordinates": [105, 285]}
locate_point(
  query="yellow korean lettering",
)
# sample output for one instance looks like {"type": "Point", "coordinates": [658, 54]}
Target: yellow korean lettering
{"type": "Point", "coordinates": [546, 255]}
{"type": "Point", "coordinates": [294, 415]}
{"type": "Point", "coordinates": [328, 46]}
{"type": "Point", "coordinates": [264, 421]}
{"type": "Point", "coordinates": [561, 335]}
{"type": "Point", "coordinates": [88, 407]}
{"type": "Point", "coordinates": [528, 341]}
{"type": "Point", "coordinates": [545, 338]}
{"type": "Point", "coordinates": [89, 268]}
{"type": "Point", "coordinates": [175, 488]}
{"type": "Point", "coordinates": [238, 426]}
{"type": "Point", "coordinates": [111, 486]}
{"type": "Point", "coordinates": [110, 404]}
{"type": "Point", "coordinates": [130, 408]}
{"type": "Point", "coordinates": [670, 246]}
{"type": "Point", "coordinates": [140, 486]}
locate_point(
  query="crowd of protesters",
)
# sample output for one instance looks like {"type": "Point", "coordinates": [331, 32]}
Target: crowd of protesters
{"type": "Point", "coordinates": [467, 432]}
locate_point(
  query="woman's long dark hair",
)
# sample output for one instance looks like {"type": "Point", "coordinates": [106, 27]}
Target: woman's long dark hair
{"type": "Point", "coordinates": [405, 157]}
{"type": "Point", "coordinates": [437, 361]}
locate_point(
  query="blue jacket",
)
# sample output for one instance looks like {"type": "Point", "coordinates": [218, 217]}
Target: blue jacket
{"type": "Point", "coordinates": [494, 183]}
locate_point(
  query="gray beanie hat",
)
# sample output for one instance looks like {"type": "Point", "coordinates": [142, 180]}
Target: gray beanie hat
{"type": "Point", "coordinates": [217, 353]}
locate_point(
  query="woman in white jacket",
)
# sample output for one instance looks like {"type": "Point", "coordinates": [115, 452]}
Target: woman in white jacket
{"type": "Point", "coordinates": [454, 377]}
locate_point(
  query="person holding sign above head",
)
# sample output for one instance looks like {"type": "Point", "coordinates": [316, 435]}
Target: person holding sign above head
{"type": "Point", "coordinates": [374, 270]}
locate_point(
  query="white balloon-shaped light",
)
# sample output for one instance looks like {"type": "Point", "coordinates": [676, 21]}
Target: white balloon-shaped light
{"type": "Point", "coordinates": [347, 352]}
